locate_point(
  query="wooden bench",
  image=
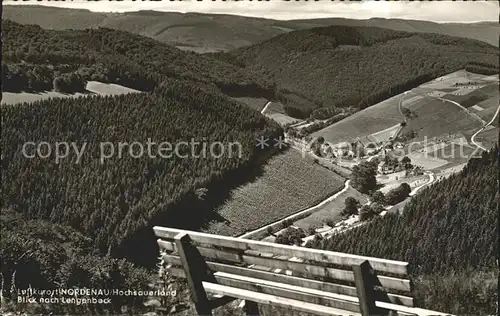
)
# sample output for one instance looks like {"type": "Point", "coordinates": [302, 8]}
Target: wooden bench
{"type": "Point", "coordinates": [220, 269]}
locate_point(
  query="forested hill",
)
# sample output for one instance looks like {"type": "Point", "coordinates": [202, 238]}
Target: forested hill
{"type": "Point", "coordinates": [340, 66]}
{"type": "Point", "coordinates": [448, 233]}
{"type": "Point", "coordinates": [113, 200]}
{"type": "Point", "coordinates": [34, 56]}
{"type": "Point", "coordinates": [117, 202]}
{"type": "Point", "coordinates": [215, 32]}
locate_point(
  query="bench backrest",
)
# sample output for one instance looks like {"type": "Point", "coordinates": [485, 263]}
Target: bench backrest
{"type": "Point", "coordinates": [327, 278]}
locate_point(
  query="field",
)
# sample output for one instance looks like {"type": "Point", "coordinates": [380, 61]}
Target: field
{"type": "Point", "coordinates": [282, 119]}
{"type": "Point", "coordinates": [474, 94]}
{"type": "Point", "coordinates": [93, 87]}
{"type": "Point", "coordinates": [288, 184]}
{"type": "Point", "coordinates": [385, 134]}
{"type": "Point", "coordinates": [435, 121]}
{"type": "Point", "coordinates": [487, 108]}
{"type": "Point", "coordinates": [330, 211]}
{"type": "Point", "coordinates": [447, 82]}
{"type": "Point", "coordinates": [255, 103]}
{"type": "Point", "coordinates": [275, 107]}
{"type": "Point", "coordinates": [108, 88]}
{"type": "Point", "coordinates": [436, 118]}
{"type": "Point", "coordinates": [276, 112]}
{"type": "Point", "coordinates": [13, 98]}
{"type": "Point", "coordinates": [381, 116]}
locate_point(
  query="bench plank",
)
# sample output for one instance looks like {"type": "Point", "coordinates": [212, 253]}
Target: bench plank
{"type": "Point", "coordinates": [402, 304]}
{"type": "Point", "coordinates": [382, 265]}
{"type": "Point", "coordinates": [291, 280]}
{"type": "Point", "coordinates": [289, 291]}
{"type": "Point", "coordinates": [410, 310]}
{"type": "Point", "coordinates": [307, 269]}
{"type": "Point", "coordinates": [273, 300]}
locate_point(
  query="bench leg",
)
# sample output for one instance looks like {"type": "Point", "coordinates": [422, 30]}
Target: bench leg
{"type": "Point", "coordinates": [365, 288]}
{"type": "Point", "coordinates": [251, 308]}
{"type": "Point", "coordinates": [195, 269]}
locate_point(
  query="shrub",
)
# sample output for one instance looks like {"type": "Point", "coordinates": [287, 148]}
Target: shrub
{"type": "Point", "coordinates": [351, 206]}
{"type": "Point", "coordinates": [330, 222]}
{"type": "Point", "coordinates": [270, 230]}
{"type": "Point", "coordinates": [291, 236]}
{"type": "Point", "coordinates": [398, 194]}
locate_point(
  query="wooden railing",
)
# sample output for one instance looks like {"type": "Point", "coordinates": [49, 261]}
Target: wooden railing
{"type": "Point", "coordinates": [296, 278]}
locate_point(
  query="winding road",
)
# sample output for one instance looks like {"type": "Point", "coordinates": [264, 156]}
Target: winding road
{"type": "Point", "coordinates": [432, 178]}
{"type": "Point", "coordinates": [473, 138]}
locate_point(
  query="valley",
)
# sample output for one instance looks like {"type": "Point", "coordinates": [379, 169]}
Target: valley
{"type": "Point", "coordinates": [438, 150]}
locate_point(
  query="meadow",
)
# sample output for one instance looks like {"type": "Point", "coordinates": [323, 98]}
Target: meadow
{"type": "Point", "coordinates": [330, 211]}
{"type": "Point", "coordinates": [381, 116]}
{"type": "Point", "coordinates": [282, 119]}
{"type": "Point", "coordinates": [255, 103]}
{"type": "Point", "coordinates": [93, 87]}
{"type": "Point", "coordinates": [487, 108]}
{"type": "Point", "coordinates": [436, 118]}
{"type": "Point", "coordinates": [288, 183]}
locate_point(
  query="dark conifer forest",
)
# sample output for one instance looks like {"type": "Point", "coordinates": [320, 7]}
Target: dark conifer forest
{"type": "Point", "coordinates": [68, 224]}
{"type": "Point", "coordinates": [114, 56]}
{"type": "Point", "coordinates": [448, 233]}
{"type": "Point", "coordinates": [114, 198]}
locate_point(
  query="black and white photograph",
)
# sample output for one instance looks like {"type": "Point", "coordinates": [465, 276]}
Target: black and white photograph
{"type": "Point", "coordinates": [249, 158]}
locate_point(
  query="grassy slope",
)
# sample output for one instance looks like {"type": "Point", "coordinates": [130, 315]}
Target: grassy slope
{"type": "Point", "coordinates": [288, 183]}
{"type": "Point", "coordinates": [437, 117]}
{"type": "Point", "coordinates": [368, 121]}
{"type": "Point", "coordinates": [208, 32]}
{"type": "Point", "coordinates": [490, 137]}
{"type": "Point", "coordinates": [434, 117]}
{"type": "Point", "coordinates": [331, 211]}
{"type": "Point", "coordinates": [255, 103]}
{"type": "Point", "coordinates": [94, 87]}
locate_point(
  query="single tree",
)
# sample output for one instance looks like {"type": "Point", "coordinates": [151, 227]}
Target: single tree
{"type": "Point", "coordinates": [351, 206]}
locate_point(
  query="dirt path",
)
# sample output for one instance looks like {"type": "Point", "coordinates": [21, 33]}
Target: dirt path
{"type": "Point", "coordinates": [432, 178]}
{"type": "Point", "coordinates": [265, 107]}
{"type": "Point", "coordinates": [463, 108]}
